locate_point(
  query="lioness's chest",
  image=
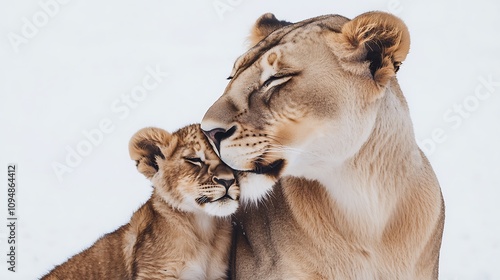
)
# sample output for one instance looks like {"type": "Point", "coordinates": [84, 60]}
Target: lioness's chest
{"type": "Point", "coordinates": [273, 243]}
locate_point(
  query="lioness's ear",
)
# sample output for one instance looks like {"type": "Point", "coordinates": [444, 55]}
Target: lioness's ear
{"type": "Point", "coordinates": [146, 147]}
{"type": "Point", "coordinates": [374, 43]}
{"type": "Point", "coordinates": [264, 26]}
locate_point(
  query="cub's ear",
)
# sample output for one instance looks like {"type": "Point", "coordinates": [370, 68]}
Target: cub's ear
{"type": "Point", "coordinates": [374, 43]}
{"type": "Point", "coordinates": [264, 26]}
{"type": "Point", "coordinates": [147, 146]}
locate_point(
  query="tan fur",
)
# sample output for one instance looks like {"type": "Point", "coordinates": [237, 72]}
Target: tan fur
{"type": "Point", "coordinates": [171, 236]}
{"type": "Point", "coordinates": [317, 105]}
{"type": "Point", "coordinates": [264, 26]}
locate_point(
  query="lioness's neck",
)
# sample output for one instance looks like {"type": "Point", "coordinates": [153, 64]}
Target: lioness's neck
{"type": "Point", "coordinates": [367, 186]}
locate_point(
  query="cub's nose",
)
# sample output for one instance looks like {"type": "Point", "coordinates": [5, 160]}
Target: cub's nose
{"type": "Point", "coordinates": [225, 182]}
{"type": "Point", "coordinates": [216, 135]}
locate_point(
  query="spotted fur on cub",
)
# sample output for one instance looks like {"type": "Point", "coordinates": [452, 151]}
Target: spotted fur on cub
{"type": "Point", "coordinates": [182, 231]}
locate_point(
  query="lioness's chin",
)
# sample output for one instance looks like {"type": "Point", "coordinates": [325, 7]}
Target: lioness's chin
{"type": "Point", "coordinates": [255, 187]}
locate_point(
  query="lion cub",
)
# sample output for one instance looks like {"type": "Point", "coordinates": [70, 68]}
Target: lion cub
{"type": "Point", "coordinates": [180, 232]}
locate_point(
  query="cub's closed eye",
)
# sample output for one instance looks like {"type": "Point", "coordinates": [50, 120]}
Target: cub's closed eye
{"type": "Point", "coordinates": [194, 160]}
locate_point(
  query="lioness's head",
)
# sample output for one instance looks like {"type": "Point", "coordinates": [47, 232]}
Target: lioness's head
{"type": "Point", "coordinates": [185, 171]}
{"type": "Point", "coordinates": [307, 94]}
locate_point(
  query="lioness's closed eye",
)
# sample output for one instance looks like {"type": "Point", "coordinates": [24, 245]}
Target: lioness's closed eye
{"type": "Point", "coordinates": [182, 231]}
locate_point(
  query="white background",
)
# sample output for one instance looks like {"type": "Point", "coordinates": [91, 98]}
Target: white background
{"type": "Point", "coordinates": [63, 78]}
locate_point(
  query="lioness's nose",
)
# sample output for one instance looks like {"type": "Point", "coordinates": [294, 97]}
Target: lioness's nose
{"type": "Point", "coordinates": [216, 135]}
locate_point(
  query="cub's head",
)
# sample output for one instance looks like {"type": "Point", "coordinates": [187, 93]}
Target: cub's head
{"type": "Point", "coordinates": [185, 171]}
{"type": "Point", "coordinates": [307, 94]}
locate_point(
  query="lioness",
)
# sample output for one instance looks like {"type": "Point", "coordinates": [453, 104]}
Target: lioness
{"type": "Point", "coordinates": [317, 104]}
{"type": "Point", "coordinates": [178, 233]}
